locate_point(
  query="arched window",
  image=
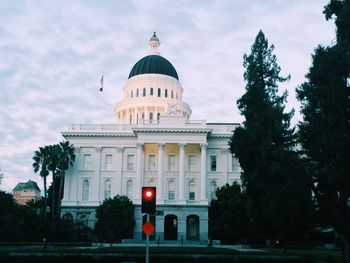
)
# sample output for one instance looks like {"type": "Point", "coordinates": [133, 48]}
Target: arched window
{"type": "Point", "coordinates": [143, 115]}
{"type": "Point", "coordinates": [85, 192]}
{"type": "Point", "coordinates": [159, 92]}
{"type": "Point", "coordinates": [151, 116]}
{"type": "Point", "coordinates": [132, 94]}
{"type": "Point", "coordinates": [158, 115]}
{"type": "Point", "coordinates": [172, 94]}
{"type": "Point", "coordinates": [144, 92]}
{"type": "Point", "coordinates": [151, 92]}
{"type": "Point", "coordinates": [166, 93]}
{"type": "Point", "coordinates": [137, 92]}
{"type": "Point", "coordinates": [212, 190]}
{"type": "Point", "coordinates": [129, 189]}
{"type": "Point", "coordinates": [191, 190]}
{"type": "Point", "coordinates": [171, 190]}
{"type": "Point", "coordinates": [107, 189]}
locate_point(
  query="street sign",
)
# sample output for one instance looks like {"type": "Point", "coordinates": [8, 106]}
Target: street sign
{"type": "Point", "coordinates": [148, 228]}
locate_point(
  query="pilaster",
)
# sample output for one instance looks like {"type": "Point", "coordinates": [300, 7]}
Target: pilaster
{"type": "Point", "coordinates": [204, 173]}
{"type": "Point", "coordinates": [181, 198]}
{"type": "Point", "coordinates": [160, 181]}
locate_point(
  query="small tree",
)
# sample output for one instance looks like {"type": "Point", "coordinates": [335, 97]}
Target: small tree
{"type": "Point", "coordinates": [115, 219]}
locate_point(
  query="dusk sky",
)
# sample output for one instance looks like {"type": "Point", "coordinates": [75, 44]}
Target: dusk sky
{"type": "Point", "coordinates": [53, 53]}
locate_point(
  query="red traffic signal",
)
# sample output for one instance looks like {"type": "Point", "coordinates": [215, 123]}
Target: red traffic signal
{"type": "Point", "coordinates": [148, 200]}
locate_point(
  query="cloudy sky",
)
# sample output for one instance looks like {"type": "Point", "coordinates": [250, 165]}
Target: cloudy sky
{"type": "Point", "coordinates": [52, 55]}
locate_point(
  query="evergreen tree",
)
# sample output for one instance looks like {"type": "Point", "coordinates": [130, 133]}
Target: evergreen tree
{"type": "Point", "coordinates": [325, 129]}
{"type": "Point", "coordinates": [272, 172]}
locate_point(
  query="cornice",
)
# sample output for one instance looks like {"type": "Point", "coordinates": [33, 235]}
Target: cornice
{"type": "Point", "coordinates": [170, 130]}
{"type": "Point", "coordinates": [96, 134]}
{"type": "Point", "coordinates": [220, 135]}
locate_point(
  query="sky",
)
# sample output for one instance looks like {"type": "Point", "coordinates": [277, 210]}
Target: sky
{"type": "Point", "coordinates": [53, 53]}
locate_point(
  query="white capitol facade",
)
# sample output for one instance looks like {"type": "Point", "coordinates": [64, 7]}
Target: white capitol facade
{"type": "Point", "coordinates": [154, 143]}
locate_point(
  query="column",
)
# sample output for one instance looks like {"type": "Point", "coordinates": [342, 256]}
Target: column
{"type": "Point", "coordinates": [139, 172]}
{"type": "Point", "coordinates": [160, 180]}
{"type": "Point", "coordinates": [119, 178]}
{"type": "Point", "coordinates": [204, 172]}
{"type": "Point", "coordinates": [96, 194]}
{"type": "Point", "coordinates": [182, 174]}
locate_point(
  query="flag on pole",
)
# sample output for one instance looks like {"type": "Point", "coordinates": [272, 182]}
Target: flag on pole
{"type": "Point", "coordinates": [101, 82]}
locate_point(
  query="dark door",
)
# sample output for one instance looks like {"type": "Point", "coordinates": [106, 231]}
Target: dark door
{"type": "Point", "coordinates": [192, 227]}
{"type": "Point", "coordinates": [170, 227]}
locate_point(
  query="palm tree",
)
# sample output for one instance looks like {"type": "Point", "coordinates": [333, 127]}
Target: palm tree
{"type": "Point", "coordinates": [53, 162]}
{"type": "Point", "coordinates": [66, 159]}
{"type": "Point", "coordinates": [41, 160]}
{"type": "Point", "coordinates": [55, 158]}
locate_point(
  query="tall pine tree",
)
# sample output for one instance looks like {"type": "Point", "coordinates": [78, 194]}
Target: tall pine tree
{"type": "Point", "coordinates": [272, 172]}
{"type": "Point", "coordinates": [325, 129]}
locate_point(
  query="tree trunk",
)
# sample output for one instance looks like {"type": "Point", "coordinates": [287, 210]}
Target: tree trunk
{"type": "Point", "coordinates": [60, 192]}
{"type": "Point", "coordinates": [45, 197]}
{"type": "Point", "coordinates": [45, 213]}
{"type": "Point", "coordinates": [53, 212]}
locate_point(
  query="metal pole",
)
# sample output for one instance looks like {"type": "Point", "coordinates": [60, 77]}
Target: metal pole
{"type": "Point", "coordinates": [147, 242]}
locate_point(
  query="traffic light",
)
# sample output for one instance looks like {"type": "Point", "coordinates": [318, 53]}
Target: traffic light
{"type": "Point", "coordinates": [148, 200]}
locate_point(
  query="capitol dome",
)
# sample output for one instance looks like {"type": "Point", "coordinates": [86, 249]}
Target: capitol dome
{"type": "Point", "coordinates": [152, 89]}
{"type": "Point", "coordinates": [155, 64]}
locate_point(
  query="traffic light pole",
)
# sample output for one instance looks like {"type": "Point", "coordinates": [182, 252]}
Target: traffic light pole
{"type": "Point", "coordinates": [147, 242]}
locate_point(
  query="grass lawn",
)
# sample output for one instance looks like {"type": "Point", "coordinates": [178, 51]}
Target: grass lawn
{"type": "Point", "coordinates": [318, 255]}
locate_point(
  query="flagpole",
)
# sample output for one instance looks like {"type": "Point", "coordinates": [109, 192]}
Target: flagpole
{"type": "Point", "coordinates": [101, 90]}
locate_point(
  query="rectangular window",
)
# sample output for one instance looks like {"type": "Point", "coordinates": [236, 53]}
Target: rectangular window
{"type": "Point", "coordinates": [108, 189]}
{"type": "Point", "coordinates": [192, 196]}
{"type": "Point", "coordinates": [108, 162]}
{"type": "Point", "coordinates": [159, 92]}
{"type": "Point", "coordinates": [166, 93]}
{"type": "Point", "coordinates": [85, 192]}
{"type": "Point", "coordinates": [213, 163]}
{"type": "Point", "coordinates": [87, 162]}
{"type": "Point", "coordinates": [151, 92]}
{"type": "Point", "coordinates": [171, 195]}
{"type": "Point", "coordinates": [130, 160]}
{"type": "Point", "coordinates": [171, 163]}
{"type": "Point", "coordinates": [192, 163]}
{"type": "Point", "coordinates": [151, 162]}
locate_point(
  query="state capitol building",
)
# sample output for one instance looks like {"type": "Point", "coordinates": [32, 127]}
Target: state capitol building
{"type": "Point", "coordinates": [153, 143]}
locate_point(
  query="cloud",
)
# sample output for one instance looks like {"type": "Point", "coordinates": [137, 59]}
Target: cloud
{"type": "Point", "coordinates": [52, 55]}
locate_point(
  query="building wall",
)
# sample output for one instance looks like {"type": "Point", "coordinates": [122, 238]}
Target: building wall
{"type": "Point", "coordinates": [114, 163]}
{"type": "Point", "coordinates": [24, 196]}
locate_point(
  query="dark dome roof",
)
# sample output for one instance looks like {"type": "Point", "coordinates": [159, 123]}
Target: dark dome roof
{"type": "Point", "coordinates": [153, 64]}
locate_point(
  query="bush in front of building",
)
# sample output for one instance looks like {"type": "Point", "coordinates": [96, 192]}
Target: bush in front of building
{"type": "Point", "coordinates": [115, 219]}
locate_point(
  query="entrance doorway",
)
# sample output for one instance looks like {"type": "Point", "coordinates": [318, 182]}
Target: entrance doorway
{"type": "Point", "coordinates": [170, 227]}
{"type": "Point", "coordinates": [192, 227]}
